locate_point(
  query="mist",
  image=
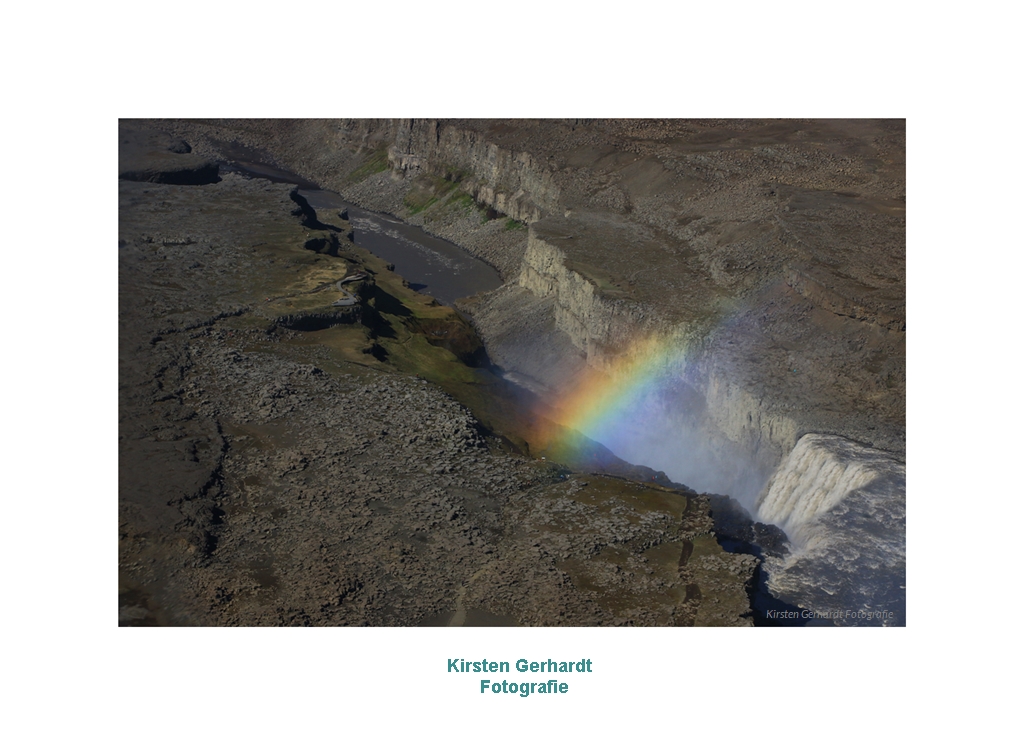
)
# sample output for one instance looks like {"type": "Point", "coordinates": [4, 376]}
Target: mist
{"type": "Point", "coordinates": [667, 428]}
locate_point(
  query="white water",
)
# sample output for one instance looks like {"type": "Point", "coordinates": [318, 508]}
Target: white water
{"type": "Point", "coordinates": [818, 474]}
{"type": "Point", "coordinates": [843, 507]}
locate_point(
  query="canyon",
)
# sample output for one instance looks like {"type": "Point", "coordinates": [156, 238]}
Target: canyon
{"type": "Point", "coordinates": [763, 260]}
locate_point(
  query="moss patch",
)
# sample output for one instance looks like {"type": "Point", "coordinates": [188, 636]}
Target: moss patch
{"type": "Point", "coordinates": [427, 191]}
{"type": "Point", "coordinates": [375, 162]}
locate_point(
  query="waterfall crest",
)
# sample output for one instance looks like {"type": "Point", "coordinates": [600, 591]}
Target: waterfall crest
{"type": "Point", "coordinates": [843, 507]}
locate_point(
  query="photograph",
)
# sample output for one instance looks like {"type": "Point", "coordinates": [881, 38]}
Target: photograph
{"type": "Point", "coordinates": [511, 373]}
{"type": "Point", "coordinates": [518, 372]}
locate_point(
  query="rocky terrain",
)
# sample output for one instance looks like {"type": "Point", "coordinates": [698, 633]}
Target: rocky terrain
{"type": "Point", "coordinates": [288, 461]}
{"type": "Point", "coordinates": [768, 256]}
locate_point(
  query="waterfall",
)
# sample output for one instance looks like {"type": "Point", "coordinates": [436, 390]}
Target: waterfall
{"type": "Point", "coordinates": [813, 480]}
{"type": "Point", "coordinates": [843, 507]}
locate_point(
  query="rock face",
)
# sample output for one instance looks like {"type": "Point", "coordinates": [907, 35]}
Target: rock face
{"type": "Point", "coordinates": [594, 322]}
{"type": "Point", "coordinates": [513, 182]}
{"type": "Point", "coordinates": [771, 253]}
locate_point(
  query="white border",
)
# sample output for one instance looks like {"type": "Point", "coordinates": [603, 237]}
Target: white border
{"type": "Point", "coordinates": [72, 71]}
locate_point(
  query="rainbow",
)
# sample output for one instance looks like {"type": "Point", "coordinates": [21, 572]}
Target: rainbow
{"type": "Point", "coordinates": [603, 403]}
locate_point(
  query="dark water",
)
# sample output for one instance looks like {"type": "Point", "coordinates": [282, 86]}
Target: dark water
{"type": "Point", "coordinates": [431, 265]}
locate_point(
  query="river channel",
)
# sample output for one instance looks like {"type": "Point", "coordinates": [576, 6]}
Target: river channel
{"type": "Point", "coordinates": [432, 266]}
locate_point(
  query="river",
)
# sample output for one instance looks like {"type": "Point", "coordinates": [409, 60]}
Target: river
{"type": "Point", "coordinates": [431, 265]}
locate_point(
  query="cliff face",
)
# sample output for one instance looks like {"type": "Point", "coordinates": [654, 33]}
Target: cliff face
{"type": "Point", "coordinates": [510, 181]}
{"type": "Point", "coordinates": [724, 421]}
{"type": "Point", "coordinates": [593, 323]}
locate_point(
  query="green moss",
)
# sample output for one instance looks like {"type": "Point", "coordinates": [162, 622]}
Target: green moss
{"type": "Point", "coordinates": [462, 200]}
{"type": "Point", "coordinates": [414, 354]}
{"type": "Point", "coordinates": [416, 205]}
{"type": "Point", "coordinates": [465, 203]}
{"type": "Point", "coordinates": [513, 224]}
{"type": "Point", "coordinates": [427, 191]}
{"type": "Point", "coordinates": [375, 162]}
